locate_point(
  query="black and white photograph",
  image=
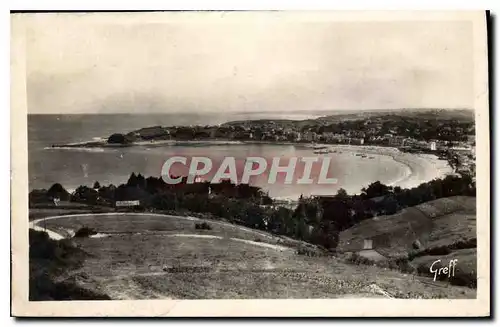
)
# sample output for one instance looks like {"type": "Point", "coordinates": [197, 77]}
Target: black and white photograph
{"type": "Point", "coordinates": [233, 155]}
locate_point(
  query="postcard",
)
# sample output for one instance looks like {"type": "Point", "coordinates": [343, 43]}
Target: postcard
{"type": "Point", "coordinates": [250, 163]}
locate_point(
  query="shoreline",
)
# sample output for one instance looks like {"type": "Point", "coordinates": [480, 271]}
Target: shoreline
{"type": "Point", "coordinates": [421, 168]}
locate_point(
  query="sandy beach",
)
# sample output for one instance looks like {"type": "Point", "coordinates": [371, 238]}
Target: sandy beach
{"type": "Point", "coordinates": [421, 167]}
{"type": "Point", "coordinates": [414, 168]}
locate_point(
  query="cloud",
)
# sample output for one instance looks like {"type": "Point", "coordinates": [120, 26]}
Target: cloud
{"type": "Point", "coordinates": [202, 62]}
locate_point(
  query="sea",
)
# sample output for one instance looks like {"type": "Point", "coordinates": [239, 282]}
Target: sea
{"type": "Point", "coordinates": [73, 167]}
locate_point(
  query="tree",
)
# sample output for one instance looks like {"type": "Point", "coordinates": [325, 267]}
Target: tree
{"type": "Point", "coordinates": [85, 194]}
{"type": "Point", "coordinates": [278, 220]}
{"type": "Point", "coordinates": [302, 230]}
{"type": "Point", "coordinates": [38, 196]}
{"type": "Point", "coordinates": [117, 138]}
{"type": "Point", "coordinates": [107, 193]}
{"type": "Point", "coordinates": [137, 181]}
{"type": "Point", "coordinates": [326, 235]}
{"type": "Point", "coordinates": [337, 211]}
{"type": "Point", "coordinates": [376, 189]}
{"type": "Point", "coordinates": [58, 191]}
{"type": "Point", "coordinates": [342, 194]}
{"type": "Point", "coordinates": [141, 181]}
{"type": "Point", "coordinates": [96, 185]}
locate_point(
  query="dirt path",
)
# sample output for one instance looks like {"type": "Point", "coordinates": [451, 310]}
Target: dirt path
{"type": "Point", "coordinates": [36, 221]}
{"type": "Point", "coordinates": [56, 236]}
{"type": "Point", "coordinates": [53, 235]}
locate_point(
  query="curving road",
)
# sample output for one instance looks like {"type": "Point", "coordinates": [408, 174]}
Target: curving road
{"type": "Point", "coordinates": [35, 224]}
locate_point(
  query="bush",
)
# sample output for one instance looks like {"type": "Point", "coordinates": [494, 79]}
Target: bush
{"type": "Point", "coordinates": [42, 288]}
{"type": "Point", "coordinates": [308, 251]}
{"type": "Point", "coordinates": [118, 138]}
{"type": "Point", "coordinates": [85, 232]}
{"type": "Point", "coordinates": [400, 264]}
{"type": "Point", "coordinates": [356, 259]}
{"type": "Point", "coordinates": [444, 249]}
{"type": "Point", "coordinates": [203, 225]}
{"type": "Point", "coordinates": [49, 260]}
{"type": "Point", "coordinates": [180, 269]}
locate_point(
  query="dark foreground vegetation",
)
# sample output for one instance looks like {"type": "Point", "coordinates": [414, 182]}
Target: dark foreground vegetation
{"type": "Point", "coordinates": [317, 220]}
{"type": "Point", "coordinates": [85, 232]}
{"type": "Point", "coordinates": [203, 225]}
{"type": "Point", "coordinates": [48, 262]}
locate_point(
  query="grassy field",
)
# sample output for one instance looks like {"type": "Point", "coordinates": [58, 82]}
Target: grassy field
{"type": "Point", "coordinates": [466, 268]}
{"type": "Point", "coordinates": [139, 223]}
{"type": "Point", "coordinates": [444, 229]}
{"type": "Point", "coordinates": [37, 212]}
{"type": "Point", "coordinates": [147, 256]}
{"type": "Point", "coordinates": [442, 221]}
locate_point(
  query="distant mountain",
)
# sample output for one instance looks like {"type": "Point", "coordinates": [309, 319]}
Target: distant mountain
{"type": "Point", "coordinates": [465, 115]}
{"type": "Point", "coordinates": [458, 114]}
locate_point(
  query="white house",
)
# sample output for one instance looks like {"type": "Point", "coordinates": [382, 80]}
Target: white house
{"type": "Point", "coordinates": [367, 244]}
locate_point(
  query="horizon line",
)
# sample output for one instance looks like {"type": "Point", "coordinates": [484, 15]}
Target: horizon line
{"type": "Point", "coordinates": [251, 112]}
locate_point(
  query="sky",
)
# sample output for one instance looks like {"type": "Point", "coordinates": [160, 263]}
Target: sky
{"type": "Point", "coordinates": [205, 62]}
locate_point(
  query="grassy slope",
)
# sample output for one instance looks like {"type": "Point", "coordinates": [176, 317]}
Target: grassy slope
{"type": "Point", "coordinates": [442, 226]}
{"type": "Point", "coordinates": [465, 270]}
{"type": "Point", "coordinates": [48, 210]}
{"type": "Point", "coordinates": [48, 261]}
{"type": "Point", "coordinates": [133, 223]}
{"type": "Point", "coordinates": [129, 265]}
{"type": "Point", "coordinates": [441, 221]}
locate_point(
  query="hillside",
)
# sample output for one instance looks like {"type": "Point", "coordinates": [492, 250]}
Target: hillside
{"type": "Point", "coordinates": [441, 229]}
{"type": "Point", "coordinates": [342, 116]}
{"type": "Point", "coordinates": [141, 256]}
